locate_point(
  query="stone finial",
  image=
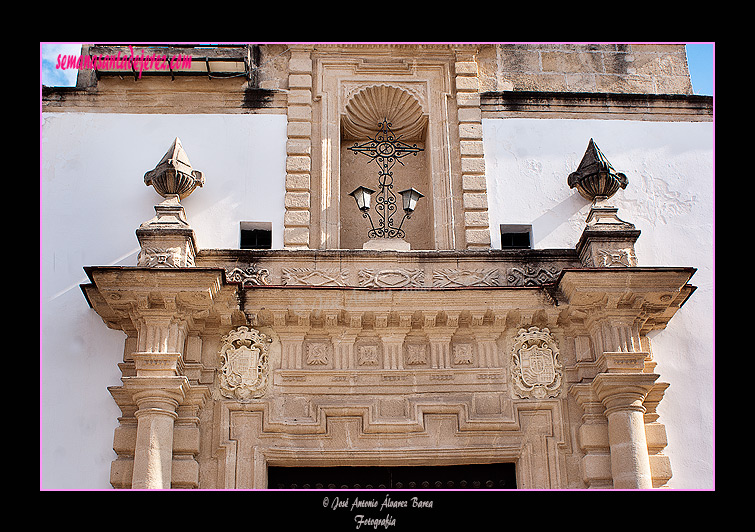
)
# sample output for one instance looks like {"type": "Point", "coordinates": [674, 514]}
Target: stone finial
{"type": "Point", "coordinates": [595, 177]}
{"type": "Point", "coordinates": [607, 240]}
{"type": "Point", "coordinates": [167, 240]}
{"type": "Point", "coordinates": [173, 175]}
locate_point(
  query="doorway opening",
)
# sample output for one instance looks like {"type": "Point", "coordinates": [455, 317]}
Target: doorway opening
{"type": "Point", "coordinates": [471, 476]}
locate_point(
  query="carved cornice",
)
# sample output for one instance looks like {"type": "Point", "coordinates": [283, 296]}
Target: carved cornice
{"type": "Point", "coordinates": [544, 104]}
{"type": "Point", "coordinates": [123, 295]}
{"type": "Point", "coordinates": [638, 298]}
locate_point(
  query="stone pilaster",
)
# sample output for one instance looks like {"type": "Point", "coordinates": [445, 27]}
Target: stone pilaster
{"type": "Point", "coordinates": [486, 337]}
{"type": "Point", "coordinates": [292, 348]}
{"type": "Point", "coordinates": [474, 187]}
{"type": "Point", "coordinates": [592, 436]}
{"type": "Point", "coordinates": [298, 150]}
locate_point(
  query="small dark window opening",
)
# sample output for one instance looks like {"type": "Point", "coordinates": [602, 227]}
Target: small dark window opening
{"type": "Point", "coordinates": [256, 235]}
{"type": "Point", "coordinates": [516, 237]}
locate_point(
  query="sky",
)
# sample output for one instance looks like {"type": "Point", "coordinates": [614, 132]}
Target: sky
{"type": "Point", "coordinates": [699, 58]}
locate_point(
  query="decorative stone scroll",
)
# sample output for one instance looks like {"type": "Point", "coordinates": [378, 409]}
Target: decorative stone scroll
{"type": "Point", "coordinates": [251, 276]}
{"type": "Point", "coordinates": [243, 373]}
{"type": "Point", "coordinates": [536, 371]}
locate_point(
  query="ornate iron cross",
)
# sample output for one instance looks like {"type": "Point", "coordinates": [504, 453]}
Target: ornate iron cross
{"type": "Point", "coordinates": [386, 150]}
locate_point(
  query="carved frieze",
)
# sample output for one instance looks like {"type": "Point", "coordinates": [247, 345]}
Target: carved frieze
{"type": "Point", "coordinates": [536, 370]}
{"type": "Point", "coordinates": [244, 367]}
{"type": "Point", "coordinates": [314, 277]}
{"type": "Point", "coordinates": [367, 355]}
{"type": "Point", "coordinates": [453, 277]}
{"type": "Point", "coordinates": [617, 257]}
{"type": "Point", "coordinates": [395, 278]}
{"type": "Point", "coordinates": [529, 275]}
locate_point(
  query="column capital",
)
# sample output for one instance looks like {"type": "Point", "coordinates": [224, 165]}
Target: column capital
{"type": "Point", "coordinates": [623, 391]}
{"type": "Point", "coordinates": [142, 389]}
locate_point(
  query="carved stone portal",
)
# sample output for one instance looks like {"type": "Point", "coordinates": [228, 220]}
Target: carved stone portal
{"type": "Point", "coordinates": [244, 364]}
{"type": "Point", "coordinates": [536, 370]}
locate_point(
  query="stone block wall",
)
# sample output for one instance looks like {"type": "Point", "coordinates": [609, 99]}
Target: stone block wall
{"type": "Point", "coordinates": [604, 68]}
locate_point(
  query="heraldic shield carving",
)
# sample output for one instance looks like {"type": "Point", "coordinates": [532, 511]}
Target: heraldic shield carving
{"type": "Point", "coordinates": [243, 370]}
{"type": "Point", "coordinates": [536, 370]}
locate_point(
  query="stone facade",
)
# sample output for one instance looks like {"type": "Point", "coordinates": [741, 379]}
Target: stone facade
{"type": "Point", "coordinates": [449, 358]}
{"type": "Point", "coordinates": [449, 353]}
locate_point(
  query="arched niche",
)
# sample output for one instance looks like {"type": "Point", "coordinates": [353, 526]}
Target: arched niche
{"type": "Point", "coordinates": [359, 122]}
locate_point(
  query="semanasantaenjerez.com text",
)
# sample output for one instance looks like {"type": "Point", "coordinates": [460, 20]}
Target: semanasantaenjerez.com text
{"type": "Point", "coordinates": [133, 61]}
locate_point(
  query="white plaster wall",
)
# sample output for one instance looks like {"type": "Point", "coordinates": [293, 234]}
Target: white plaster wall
{"type": "Point", "coordinates": [92, 200]}
{"type": "Point", "coordinates": [670, 198]}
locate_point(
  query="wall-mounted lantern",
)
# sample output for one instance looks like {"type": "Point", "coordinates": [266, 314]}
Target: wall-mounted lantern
{"type": "Point", "coordinates": [362, 196]}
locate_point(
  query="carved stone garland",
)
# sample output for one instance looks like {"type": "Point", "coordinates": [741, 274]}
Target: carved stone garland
{"type": "Point", "coordinates": [536, 370]}
{"type": "Point", "coordinates": [244, 368]}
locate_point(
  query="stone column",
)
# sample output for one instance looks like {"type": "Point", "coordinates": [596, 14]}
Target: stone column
{"type": "Point", "coordinates": [157, 390]}
{"type": "Point", "coordinates": [158, 386]}
{"type": "Point", "coordinates": [153, 454]}
{"type": "Point", "coordinates": [622, 392]}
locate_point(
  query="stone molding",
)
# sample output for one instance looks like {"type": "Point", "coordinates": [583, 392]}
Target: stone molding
{"type": "Point", "coordinates": [526, 435]}
{"type": "Point", "coordinates": [591, 105]}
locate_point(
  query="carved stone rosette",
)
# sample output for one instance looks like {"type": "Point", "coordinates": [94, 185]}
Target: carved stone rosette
{"type": "Point", "coordinates": [244, 368]}
{"type": "Point", "coordinates": [536, 370]}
